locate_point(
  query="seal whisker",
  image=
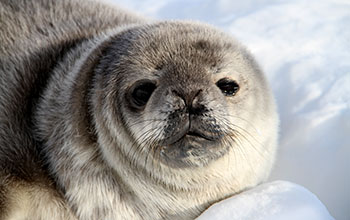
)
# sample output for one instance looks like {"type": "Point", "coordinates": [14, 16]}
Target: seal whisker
{"type": "Point", "coordinates": [243, 119]}
{"type": "Point", "coordinates": [230, 126]}
{"type": "Point", "coordinates": [143, 121]}
{"type": "Point", "coordinates": [143, 140]}
{"type": "Point", "coordinates": [237, 134]}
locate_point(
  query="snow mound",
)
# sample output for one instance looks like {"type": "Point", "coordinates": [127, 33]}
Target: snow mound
{"type": "Point", "coordinates": [278, 200]}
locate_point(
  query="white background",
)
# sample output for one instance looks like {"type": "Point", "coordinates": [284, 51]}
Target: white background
{"type": "Point", "coordinates": [303, 46]}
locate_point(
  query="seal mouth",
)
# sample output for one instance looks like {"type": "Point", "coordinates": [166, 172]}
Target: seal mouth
{"type": "Point", "coordinates": [191, 148]}
{"type": "Point", "coordinates": [198, 135]}
{"type": "Point", "coordinates": [194, 135]}
{"type": "Point", "coordinates": [189, 134]}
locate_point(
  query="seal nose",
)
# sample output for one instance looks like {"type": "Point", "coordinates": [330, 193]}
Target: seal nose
{"type": "Point", "coordinates": [191, 99]}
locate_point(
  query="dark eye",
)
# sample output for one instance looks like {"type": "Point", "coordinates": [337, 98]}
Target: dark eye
{"type": "Point", "coordinates": [140, 93]}
{"type": "Point", "coordinates": [228, 86]}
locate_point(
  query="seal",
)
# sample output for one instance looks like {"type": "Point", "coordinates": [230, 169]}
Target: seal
{"type": "Point", "coordinates": [106, 115]}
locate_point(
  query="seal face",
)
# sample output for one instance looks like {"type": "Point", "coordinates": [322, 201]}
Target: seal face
{"type": "Point", "coordinates": [181, 89]}
{"type": "Point", "coordinates": [183, 128]}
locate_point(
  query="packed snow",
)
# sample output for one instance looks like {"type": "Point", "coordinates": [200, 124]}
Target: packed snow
{"type": "Point", "coordinates": [303, 46]}
{"type": "Point", "coordinates": [277, 200]}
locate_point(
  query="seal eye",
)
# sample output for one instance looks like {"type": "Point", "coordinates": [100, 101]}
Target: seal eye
{"type": "Point", "coordinates": [141, 92]}
{"type": "Point", "coordinates": [228, 86]}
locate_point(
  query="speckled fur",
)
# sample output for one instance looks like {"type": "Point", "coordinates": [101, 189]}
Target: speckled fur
{"type": "Point", "coordinates": [68, 147]}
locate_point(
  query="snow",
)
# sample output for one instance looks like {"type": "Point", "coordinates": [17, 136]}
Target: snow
{"type": "Point", "coordinates": [304, 48]}
{"type": "Point", "coordinates": [270, 201]}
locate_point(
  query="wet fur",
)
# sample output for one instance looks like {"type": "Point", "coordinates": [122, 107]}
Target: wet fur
{"type": "Point", "coordinates": [64, 154]}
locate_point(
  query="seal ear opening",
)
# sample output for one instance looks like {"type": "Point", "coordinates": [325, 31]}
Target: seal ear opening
{"type": "Point", "coordinates": [139, 93]}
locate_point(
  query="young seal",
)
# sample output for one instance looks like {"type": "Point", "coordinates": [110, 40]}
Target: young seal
{"type": "Point", "coordinates": [106, 116]}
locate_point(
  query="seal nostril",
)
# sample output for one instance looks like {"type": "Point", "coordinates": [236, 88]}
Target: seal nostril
{"type": "Point", "coordinates": [199, 91]}
{"type": "Point", "coordinates": [197, 109]}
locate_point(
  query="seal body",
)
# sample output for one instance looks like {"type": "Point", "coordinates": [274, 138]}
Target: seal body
{"type": "Point", "coordinates": [104, 115]}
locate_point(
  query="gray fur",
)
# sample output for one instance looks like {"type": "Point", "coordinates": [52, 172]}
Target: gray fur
{"type": "Point", "coordinates": [73, 145]}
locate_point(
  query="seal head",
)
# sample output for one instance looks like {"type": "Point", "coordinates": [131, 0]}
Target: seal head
{"type": "Point", "coordinates": [185, 93]}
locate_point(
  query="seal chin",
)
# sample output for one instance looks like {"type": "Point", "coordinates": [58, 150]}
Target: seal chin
{"type": "Point", "coordinates": [191, 150]}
